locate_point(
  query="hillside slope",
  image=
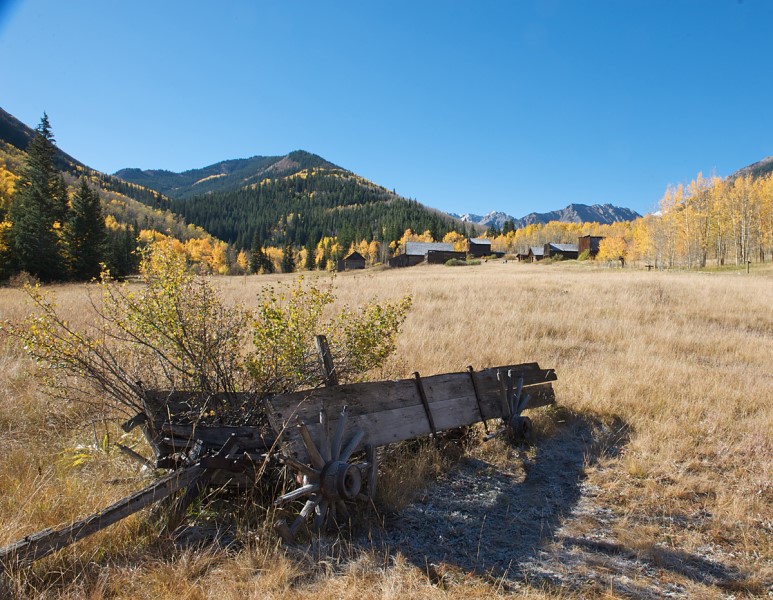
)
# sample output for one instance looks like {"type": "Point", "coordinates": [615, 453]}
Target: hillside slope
{"type": "Point", "coordinates": [127, 203]}
{"type": "Point", "coordinates": [225, 175]}
{"type": "Point", "coordinates": [297, 198]}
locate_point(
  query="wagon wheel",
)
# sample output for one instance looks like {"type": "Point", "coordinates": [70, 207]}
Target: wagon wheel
{"type": "Point", "coordinates": [518, 428]}
{"type": "Point", "coordinates": [329, 480]}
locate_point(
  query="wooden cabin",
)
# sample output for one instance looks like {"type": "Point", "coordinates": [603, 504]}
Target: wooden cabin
{"type": "Point", "coordinates": [589, 243]}
{"type": "Point", "coordinates": [535, 253]}
{"type": "Point", "coordinates": [414, 253]}
{"type": "Point", "coordinates": [354, 261]}
{"type": "Point", "coordinates": [564, 251]}
{"type": "Point", "coordinates": [478, 247]}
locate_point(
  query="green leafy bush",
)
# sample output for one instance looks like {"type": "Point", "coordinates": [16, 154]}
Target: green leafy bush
{"type": "Point", "coordinates": [175, 332]}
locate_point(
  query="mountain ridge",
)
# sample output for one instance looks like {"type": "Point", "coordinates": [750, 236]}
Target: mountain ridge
{"type": "Point", "coordinates": [223, 175]}
{"type": "Point", "coordinates": [604, 214]}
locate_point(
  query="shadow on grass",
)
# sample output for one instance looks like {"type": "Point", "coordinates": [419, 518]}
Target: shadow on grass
{"type": "Point", "coordinates": [501, 524]}
{"type": "Point", "coordinates": [483, 519]}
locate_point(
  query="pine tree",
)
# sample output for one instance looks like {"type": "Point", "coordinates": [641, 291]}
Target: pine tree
{"type": "Point", "coordinates": [288, 259]}
{"type": "Point", "coordinates": [85, 233]}
{"type": "Point", "coordinates": [309, 264]}
{"type": "Point", "coordinates": [256, 255]}
{"type": "Point", "coordinates": [33, 237]}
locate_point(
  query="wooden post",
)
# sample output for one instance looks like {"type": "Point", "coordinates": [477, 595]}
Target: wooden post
{"type": "Point", "coordinates": [326, 361]}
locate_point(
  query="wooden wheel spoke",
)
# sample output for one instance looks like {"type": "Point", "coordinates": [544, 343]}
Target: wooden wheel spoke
{"type": "Point", "coordinates": [320, 514]}
{"type": "Point", "coordinates": [299, 493]}
{"type": "Point", "coordinates": [310, 505]}
{"type": "Point", "coordinates": [335, 450]}
{"type": "Point", "coordinates": [342, 510]}
{"type": "Point", "coordinates": [325, 426]}
{"type": "Point", "coordinates": [370, 452]}
{"type": "Point", "coordinates": [307, 471]}
{"type": "Point", "coordinates": [311, 448]}
{"type": "Point", "coordinates": [331, 516]}
{"type": "Point", "coordinates": [352, 445]}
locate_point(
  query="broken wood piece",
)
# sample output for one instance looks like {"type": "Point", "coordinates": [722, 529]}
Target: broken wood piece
{"type": "Point", "coordinates": [43, 543]}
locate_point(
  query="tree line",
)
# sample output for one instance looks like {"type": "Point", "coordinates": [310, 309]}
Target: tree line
{"type": "Point", "coordinates": [708, 221]}
{"type": "Point", "coordinates": [47, 231]}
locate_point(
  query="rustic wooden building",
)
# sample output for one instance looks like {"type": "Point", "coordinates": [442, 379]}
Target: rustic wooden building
{"type": "Point", "coordinates": [441, 257]}
{"type": "Point", "coordinates": [565, 251]}
{"type": "Point", "coordinates": [589, 243]}
{"type": "Point", "coordinates": [536, 253]}
{"type": "Point", "coordinates": [479, 247]}
{"type": "Point", "coordinates": [414, 253]}
{"type": "Point", "coordinates": [354, 261]}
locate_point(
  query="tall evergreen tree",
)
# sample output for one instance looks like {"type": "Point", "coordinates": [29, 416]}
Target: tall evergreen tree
{"type": "Point", "coordinates": [33, 238]}
{"type": "Point", "coordinates": [85, 233]}
{"type": "Point", "coordinates": [256, 255]}
{"type": "Point", "coordinates": [309, 264]}
{"type": "Point", "coordinates": [288, 259]}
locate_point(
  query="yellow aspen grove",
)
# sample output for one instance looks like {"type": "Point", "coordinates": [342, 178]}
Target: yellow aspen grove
{"type": "Point", "coordinates": [612, 249]}
{"type": "Point", "coordinates": [243, 261]}
{"type": "Point", "coordinates": [457, 239]}
{"type": "Point", "coordinates": [275, 255]}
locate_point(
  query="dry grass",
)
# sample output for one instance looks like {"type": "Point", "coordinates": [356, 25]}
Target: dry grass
{"type": "Point", "coordinates": [681, 360]}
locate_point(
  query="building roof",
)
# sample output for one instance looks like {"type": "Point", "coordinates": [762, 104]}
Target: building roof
{"type": "Point", "coordinates": [480, 241]}
{"type": "Point", "coordinates": [565, 247]}
{"type": "Point", "coordinates": [354, 256]}
{"type": "Point", "coordinates": [537, 250]}
{"type": "Point", "coordinates": [421, 248]}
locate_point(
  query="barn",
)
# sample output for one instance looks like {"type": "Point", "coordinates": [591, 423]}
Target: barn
{"type": "Point", "coordinates": [414, 253]}
{"type": "Point", "coordinates": [565, 251]}
{"type": "Point", "coordinates": [479, 247]}
{"type": "Point", "coordinates": [589, 243]}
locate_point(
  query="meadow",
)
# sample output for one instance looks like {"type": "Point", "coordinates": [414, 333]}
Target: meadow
{"type": "Point", "coordinates": [652, 477]}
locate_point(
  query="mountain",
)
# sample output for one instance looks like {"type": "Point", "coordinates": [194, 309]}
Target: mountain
{"type": "Point", "coordinates": [225, 175]}
{"type": "Point", "coordinates": [758, 169]}
{"type": "Point", "coordinates": [18, 135]}
{"type": "Point", "coordinates": [574, 213]}
{"type": "Point", "coordinates": [297, 198]}
{"type": "Point", "coordinates": [127, 203]}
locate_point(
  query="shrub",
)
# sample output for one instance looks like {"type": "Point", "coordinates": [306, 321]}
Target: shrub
{"type": "Point", "coordinates": [455, 262]}
{"type": "Point", "coordinates": [584, 255]}
{"type": "Point", "coordinates": [176, 333]}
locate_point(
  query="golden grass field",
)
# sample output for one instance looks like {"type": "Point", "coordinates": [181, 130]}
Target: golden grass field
{"type": "Point", "coordinates": [674, 499]}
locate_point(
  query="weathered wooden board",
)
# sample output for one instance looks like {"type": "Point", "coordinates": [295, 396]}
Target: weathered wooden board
{"type": "Point", "coordinates": [391, 411]}
{"type": "Point", "coordinates": [45, 542]}
{"type": "Point", "coordinates": [250, 438]}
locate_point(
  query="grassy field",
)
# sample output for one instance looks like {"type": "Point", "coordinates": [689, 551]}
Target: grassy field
{"type": "Point", "coordinates": [665, 386]}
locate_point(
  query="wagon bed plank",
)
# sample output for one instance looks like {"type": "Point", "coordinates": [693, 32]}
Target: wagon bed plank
{"type": "Point", "coordinates": [392, 411]}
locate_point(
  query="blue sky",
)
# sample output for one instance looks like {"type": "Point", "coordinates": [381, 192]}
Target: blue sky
{"type": "Point", "coordinates": [466, 106]}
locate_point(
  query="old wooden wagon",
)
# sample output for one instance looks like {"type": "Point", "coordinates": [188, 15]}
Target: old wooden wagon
{"type": "Point", "coordinates": [328, 436]}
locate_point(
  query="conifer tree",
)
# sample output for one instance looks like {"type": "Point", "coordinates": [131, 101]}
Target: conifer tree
{"type": "Point", "coordinates": [34, 241]}
{"type": "Point", "coordinates": [85, 233]}
{"type": "Point", "coordinates": [288, 259]}
{"type": "Point", "coordinates": [309, 263]}
{"type": "Point", "coordinates": [256, 255]}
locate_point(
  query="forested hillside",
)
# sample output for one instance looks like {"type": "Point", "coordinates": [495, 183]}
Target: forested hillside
{"type": "Point", "coordinates": [61, 220]}
{"type": "Point", "coordinates": [303, 208]}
